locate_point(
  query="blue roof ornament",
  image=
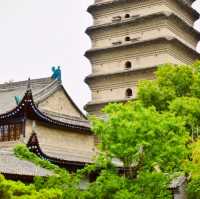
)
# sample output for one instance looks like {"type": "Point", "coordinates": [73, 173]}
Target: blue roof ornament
{"type": "Point", "coordinates": [56, 73]}
{"type": "Point", "coordinates": [17, 99]}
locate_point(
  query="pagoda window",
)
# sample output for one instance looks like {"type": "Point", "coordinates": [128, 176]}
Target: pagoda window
{"type": "Point", "coordinates": [129, 93]}
{"type": "Point", "coordinates": [127, 39]}
{"type": "Point", "coordinates": [128, 65]}
{"type": "Point", "coordinates": [127, 16]}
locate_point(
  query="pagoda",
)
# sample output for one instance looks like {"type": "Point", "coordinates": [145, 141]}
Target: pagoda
{"type": "Point", "coordinates": [130, 39]}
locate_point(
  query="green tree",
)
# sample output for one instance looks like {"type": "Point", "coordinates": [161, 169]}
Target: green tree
{"type": "Point", "coordinates": [142, 138]}
{"type": "Point", "coordinates": [158, 132]}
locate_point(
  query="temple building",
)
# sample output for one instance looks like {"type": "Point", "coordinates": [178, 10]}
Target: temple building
{"type": "Point", "coordinates": [130, 38]}
{"type": "Point", "coordinates": [41, 114]}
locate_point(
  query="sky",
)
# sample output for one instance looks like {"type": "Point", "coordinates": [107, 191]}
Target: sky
{"type": "Point", "coordinates": [38, 34]}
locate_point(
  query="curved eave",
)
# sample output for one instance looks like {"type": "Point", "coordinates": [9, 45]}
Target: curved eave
{"type": "Point", "coordinates": [92, 52]}
{"type": "Point", "coordinates": [124, 72]}
{"type": "Point", "coordinates": [33, 145]}
{"type": "Point", "coordinates": [27, 108]}
{"type": "Point", "coordinates": [139, 19]}
{"type": "Point", "coordinates": [97, 6]}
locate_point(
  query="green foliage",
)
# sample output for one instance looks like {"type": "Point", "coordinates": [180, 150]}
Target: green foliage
{"type": "Point", "coordinates": [152, 185]}
{"type": "Point", "coordinates": [110, 185]}
{"type": "Point", "coordinates": [22, 152]}
{"type": "Point", "coordinates": [64, 182]}
{"type": "Point", "coordinates": [106, 186]}
{"type": "Point", "coordinates": [188, 109]}
{"type": "Point", "coordinates": [17, 190]}
{"type": "Point", "coordinates": [133, 133]}
{"type": "Point", "coordinates": [193, 188]}
{"type": "Point", "coordinates": [160, 131]}
{"type": "Point", "coordinates": [152, 94]}
{"type": "Point", "coordinates": [171, 81]}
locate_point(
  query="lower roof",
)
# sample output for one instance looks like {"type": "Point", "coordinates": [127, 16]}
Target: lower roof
{"type": "Point", "coordinates": [10, 164]}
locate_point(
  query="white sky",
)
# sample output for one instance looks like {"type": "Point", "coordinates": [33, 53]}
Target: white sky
{"type": "Point", "coordinates": [38, 34]}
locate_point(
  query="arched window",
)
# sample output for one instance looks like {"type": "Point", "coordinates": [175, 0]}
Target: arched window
{"type": "Point", "coordinates": [127, 16]}
{"type": "Point", "coordinates": [128, 65]}
{"type": "Point", "coordinates": [129, 93]}
{"type": "Point", "coordinates": [127, 39]}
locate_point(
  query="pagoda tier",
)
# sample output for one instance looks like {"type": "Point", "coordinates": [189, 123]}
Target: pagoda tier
{"type": "Point", "coordinates": [119, 10]}
{"type": "Point", "coordinates": [130, 39]}
{"type": "Point", "coordinates": [143, 28]}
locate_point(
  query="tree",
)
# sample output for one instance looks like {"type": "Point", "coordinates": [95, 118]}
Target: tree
{"type": "Point", "coordinates": [142, 138]}
{"type": "Point", "coordinates": [158, 132]}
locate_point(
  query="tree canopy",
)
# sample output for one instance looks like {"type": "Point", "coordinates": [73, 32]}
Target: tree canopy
{"type": "Point", "coordinates": [159, 131]}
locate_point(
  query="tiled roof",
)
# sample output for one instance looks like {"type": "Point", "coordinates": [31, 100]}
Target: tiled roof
{"type": "Point", "coordinates": [9, 164]}
{"type": "Point", "coordinates": [67, 118]}
{"type": "Point", "coordinates": [8, 91]}
{"type": "Point", "coordinates": [75, 155]}
{"type": "Point", "coordinates": [41, 90]}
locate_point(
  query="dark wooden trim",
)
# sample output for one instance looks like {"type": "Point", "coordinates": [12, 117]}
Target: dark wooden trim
{"type": "Point", "coordinates": [17, 177]}
{"type": "Point", "coordinates": [28, 109]}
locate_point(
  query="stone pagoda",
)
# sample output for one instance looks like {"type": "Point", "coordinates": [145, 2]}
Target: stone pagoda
{"type": "Point", "coordinates": [130, 38]}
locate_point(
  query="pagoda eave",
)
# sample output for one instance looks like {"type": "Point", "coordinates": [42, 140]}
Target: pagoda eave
{"type": "Point", "coordinates": [139, 19]}
{"type": "Point", "coordinates": [92, 52]}
{"type": "Point", "coordinates": [91, 77]}
{"type": "Point", "coordinates": [97, 6]}
{"type": "Point", "coordinates": [94, 104]}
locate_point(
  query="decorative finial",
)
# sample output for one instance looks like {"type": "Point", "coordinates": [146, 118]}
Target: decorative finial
{"type": "Point", "coordinates": [56, 73]}
{"type": "Point", "coordinates": [29, 84]}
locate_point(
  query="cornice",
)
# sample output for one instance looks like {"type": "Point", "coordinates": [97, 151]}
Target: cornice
{"type": "Point", "coordinates": [93, 104]}
{"type": "Point", "coordinates": [124, 72]}
{"type": "Point", "coordinates": [139, 19]}
{"type": "Point", "coordinates": [97, 6]}
{"type": "Point", "coordinates": [93, 52]}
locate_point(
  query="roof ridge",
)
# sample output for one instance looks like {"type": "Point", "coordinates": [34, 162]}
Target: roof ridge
{"type": "Point", "coordinates": [14, 85]}
{"type": "Point", "coordinates": [39, 95]}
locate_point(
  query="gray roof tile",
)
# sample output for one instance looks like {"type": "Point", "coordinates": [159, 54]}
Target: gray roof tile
{"type": "Point", "coordinates": [9, 164]}
{"type": "Point", "coordinates": [8, 91]}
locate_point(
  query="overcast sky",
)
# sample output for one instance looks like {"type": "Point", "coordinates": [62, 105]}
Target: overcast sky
{"type": "Point", "coordinates": [38, 34]}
